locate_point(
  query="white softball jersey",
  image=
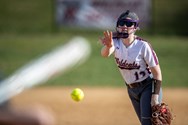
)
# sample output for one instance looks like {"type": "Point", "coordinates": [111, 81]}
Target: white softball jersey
{"type": "Point", "coordinates": [134, 61]}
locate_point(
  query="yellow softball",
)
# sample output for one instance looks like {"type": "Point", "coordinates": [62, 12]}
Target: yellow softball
{"type": "Point", "coordinates": [77, 94]}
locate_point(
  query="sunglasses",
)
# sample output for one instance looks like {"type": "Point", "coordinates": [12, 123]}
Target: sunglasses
{"type": "Point", "coordinates": [127, 23]}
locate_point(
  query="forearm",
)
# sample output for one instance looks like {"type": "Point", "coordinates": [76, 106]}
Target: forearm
{"type": "Point", "coordinates": [156, 71]}
{"type": "Point", "coordinates": [107, 51]}
{"type": "Point", "coordinates": [157, 79]}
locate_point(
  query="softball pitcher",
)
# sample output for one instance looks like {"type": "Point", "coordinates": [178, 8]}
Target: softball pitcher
{"type": "Point", "coordinates": [137, 63]}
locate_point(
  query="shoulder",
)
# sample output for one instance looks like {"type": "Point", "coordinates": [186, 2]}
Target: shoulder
{"type": "Point", "coordinates": [142, 41]}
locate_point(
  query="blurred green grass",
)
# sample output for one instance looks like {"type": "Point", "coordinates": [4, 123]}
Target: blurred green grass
{"type": "Point", "coordinates": [17, 50]}
{"type": "Point", "coordinates": [28, 30]}
{"type": "Point", "coordinates": [26, 16]}
{"type": "Point", "coordinates": [38, 16]}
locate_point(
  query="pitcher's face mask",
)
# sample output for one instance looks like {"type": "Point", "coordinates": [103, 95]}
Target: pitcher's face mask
{"type": "Point", "coordinates": [125, 22]}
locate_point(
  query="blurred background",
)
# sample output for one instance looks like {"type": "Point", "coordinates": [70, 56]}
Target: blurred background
{"type": "Point", "coordinates": [31, 28]}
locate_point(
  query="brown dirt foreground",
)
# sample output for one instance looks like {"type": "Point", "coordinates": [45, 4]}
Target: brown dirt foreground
{"type": "Point", "coordinates": [101, 106]}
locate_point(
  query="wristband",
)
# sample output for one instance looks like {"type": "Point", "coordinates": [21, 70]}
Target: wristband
{"type": "Point", "coordinates": [156, 86]}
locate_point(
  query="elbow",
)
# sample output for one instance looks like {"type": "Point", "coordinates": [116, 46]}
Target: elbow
{"type": "Point", "coordinates": [156, 71]}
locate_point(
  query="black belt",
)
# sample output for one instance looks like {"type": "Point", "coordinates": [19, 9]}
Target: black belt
{"type": "Point", "coordinates": [139, 84]}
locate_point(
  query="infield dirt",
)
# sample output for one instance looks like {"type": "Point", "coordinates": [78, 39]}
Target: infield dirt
{"type": "Point", "coordinates": [101, 105]}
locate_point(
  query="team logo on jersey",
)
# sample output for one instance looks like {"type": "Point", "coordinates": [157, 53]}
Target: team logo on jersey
{"type": "Point", "coordinates": [125, 65]}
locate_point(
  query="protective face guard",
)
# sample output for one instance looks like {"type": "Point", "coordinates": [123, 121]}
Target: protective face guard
{"type": "Point", "coordinates": [121, 31]}
{"type": "Point", "coordinates": [117, 35]}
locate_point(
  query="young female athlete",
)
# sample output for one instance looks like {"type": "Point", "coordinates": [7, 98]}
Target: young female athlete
{"type": "Point", "coordinates": [137, 63]}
